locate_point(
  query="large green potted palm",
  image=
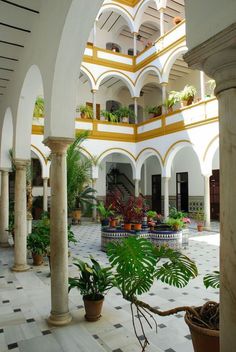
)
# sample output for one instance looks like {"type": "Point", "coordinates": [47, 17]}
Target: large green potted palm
{"type": "Point", "coordinates": [137, 263]}
{"type": "Point", "coordinates": [78, 178]}
{"type": "Point", "coordinates": [93, 282]}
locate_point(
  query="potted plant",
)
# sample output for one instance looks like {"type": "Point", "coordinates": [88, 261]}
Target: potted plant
{"type": "Point", "coordinates": [94, 281]}
{"type": "Point", "coordinates": [170, 102]}
{"type": "Point", "coordinates": [154, 111]}
{"type": "Point", "coordinates": [137, 263]}
{"type": "Point", "coordinates": [105, 213]}
{"type": "Point", "coordinates": [151, 214]}
{"type": "Point", "coordinates": [124, 114]}
{"type": "Point", "coordinates": [199, 217]}
{"type": "Point", "coordinates": [78, 177]}
{"type": "Point", "coordinates": [177, 20]}
{"type": "Point", "coordinates": [187, 95]}
{"type": "Point", "coordinates": [108, 116]}
{"type": "Point", "coordinates": [123, 207]}
{"type": "Point", "coordinates": [38, 241]}
{"type": "Point", "coordinates": [204, 327]}
{"type": "Point", "coordinates": [137, 218]}
{"type": "Point", "coordinates": [86, 112]}
{"type": "Point", "coordinates": [175, 224]}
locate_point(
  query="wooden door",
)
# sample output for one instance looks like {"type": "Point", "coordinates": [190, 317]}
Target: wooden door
{"type": "Point", "coordinates": [215, 194]}
{"type": "Point", "coordinates": [182, 191]}
{"type": "Point", "coordinates": [156, 193]}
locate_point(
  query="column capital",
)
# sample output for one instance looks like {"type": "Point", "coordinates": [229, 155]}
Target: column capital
{"type": "Point", "coordinates": [217, 58]}
{"type": "Point", "coordinates": [94, 91]}
{"type": "Point", "coordinates": [58, 145]}
{"type": "Point", "coordinates": [5, 169]}
{"type": "Point", "coordinates": [135, 97]}
{"type": "Point", "coordinates": [207, 175]}
{"type": "Point", "coordinates": [164, 84]}
{"type": "Point", "coordinates": [21, 164]}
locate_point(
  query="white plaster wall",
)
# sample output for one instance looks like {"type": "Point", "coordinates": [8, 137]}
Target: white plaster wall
{"type": "Point", "coordinates": [153, 168]}
{"type": "Point", "coordinates": [186, 161]}
{"type": "Point", "coordinates": [206, 18]}
{"type": "Point", "coordinates": [216, 161]}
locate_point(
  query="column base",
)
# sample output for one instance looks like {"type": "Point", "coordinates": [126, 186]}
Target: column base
{"type": "Point", "coordinates": [4, 245]}
{"type": "Point", "coordinates": [59, 319]}
{"type": "Point", "coordinates": [20, 267]}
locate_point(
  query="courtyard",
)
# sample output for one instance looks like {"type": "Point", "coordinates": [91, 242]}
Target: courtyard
{"type": "Point", "coordinates": [25, 303]}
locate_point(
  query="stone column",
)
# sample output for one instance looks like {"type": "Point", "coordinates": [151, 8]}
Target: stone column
{"type": "Point", "coordinates": [4, 208]}
{"type": "Point", "coordinates": [20, 238]}
{"type": "Point", "coordinates": [45, 194]}
{"type": "Point", "coordinates": [93, 91]}
{"type": "Point", "coordinates": [135, 44]}
{"type": "Point", "coordinates": [166, 196]}
{"type": "Point", "coordinates": [217, 58]}
{"type": "Point", "coordinates": [136, 109]}
{"type": "Point", "coordinates": [164, 95]}
{"type": "Point", "coordinates": [94, 181]}
{"type": "Point", "coordinates": [58, 227]}
{"type": "Point", "coordinates": [207, 205]}
{"type": "Point", "coordinates": [136, 184]}
{"type": "Point", "coordinates": [202, 85]}
{"type": "Point", "coordinates": [162, 23]}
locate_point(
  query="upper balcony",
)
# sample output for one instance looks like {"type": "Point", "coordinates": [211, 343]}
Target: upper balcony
{"type": "Point", "coordinates": [108, 58]}
{"type": "Point", "coordinates": [199, 114]}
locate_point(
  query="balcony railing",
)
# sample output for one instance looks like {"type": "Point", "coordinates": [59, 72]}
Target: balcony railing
{"type": "Point", "coordinates": [198, 114]}
{"type": "Point", "coordinates": [99, 56]}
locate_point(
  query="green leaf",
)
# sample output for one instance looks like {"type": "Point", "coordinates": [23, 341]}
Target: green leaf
{"type": "Point", "coordinates": [212, 280]}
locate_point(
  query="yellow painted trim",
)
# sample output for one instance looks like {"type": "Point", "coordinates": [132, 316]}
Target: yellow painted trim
{"type": "Point", "coordinates": [155, 150]}
{"type": "Point", "coordinates": [114, 71]}
{"type": "Point", "coordinates": [87, 70]}
{"type": "Point", "coordinates": [87, 152]}
{"type": "Point", "coordinates": [131, 3]}
{"type": "Point", "coordinates": [172, 145]}
{"type": "Point", "coordinates": [209, 145]}
{"type": "Point", "coordinates": [170, 30]}
{"type": "Point", "coordinates": [115, 149]}
{"type": "Point", "coordinates": [41, 153]}
{"type": "Point", "coordinates": [108, 63]}
{"type": "Point", "coordinates": [37, 129]}
{"type": "Point", "coordinates": [167, 60]}
{"type": "Point", "coordinates": [146, 68]}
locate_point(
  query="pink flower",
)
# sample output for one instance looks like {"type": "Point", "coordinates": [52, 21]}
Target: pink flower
{"type": "Point", "coordinates": [186, 221]}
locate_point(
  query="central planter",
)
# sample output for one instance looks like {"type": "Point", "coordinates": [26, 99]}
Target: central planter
{"type": "Point", "coordinates": [162, 237]}
{"type": "Point", "coordinates": [37, 259]}
{"type": "Point", "coordinates": [93, 308]}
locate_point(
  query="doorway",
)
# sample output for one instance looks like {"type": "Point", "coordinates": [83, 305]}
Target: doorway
{"type": "Point", "coordinates": [156, 193]}
{"type": "Point", "coordinates": [215, 194]}
{"type": "Point", "coordinates": [182, 191]}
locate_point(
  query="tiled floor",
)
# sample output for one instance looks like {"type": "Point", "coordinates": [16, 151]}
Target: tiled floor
{"type": "Point", "coordinates": [25, 305]}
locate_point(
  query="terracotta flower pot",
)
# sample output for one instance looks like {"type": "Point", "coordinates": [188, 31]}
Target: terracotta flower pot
{"type": "Point", "coordinates": [127, 227]}
{"type": "Point", "coordinates": [37, 259]}
{"type": "Point", "coordinates": [76, 214]}
{"type": "Point", "coordinates": [138, 227]}
{"type": "Point", "coordinates": [204, 340]}
{"type": "Point", "coordinates": [112, 223]}
{"type": "Point", "coordinates": [93, 308]}
{"type": "Point", "coordinates": [200, 227]}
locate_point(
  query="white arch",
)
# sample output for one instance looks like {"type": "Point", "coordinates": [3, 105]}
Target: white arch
{"type": "Point", "coordinates": [6, 140]}
{"type": "Point", "coordinates": [143, 156]}
{"type": "Point", "coordinates": [123, 77]}
{"type": "Point", "coordinates": [111, 151]}
{"type": "Point", "coordinates": [89, 76]}
{"type": "Point", "coordinates": [121, 11]}
{"type": "Point", "coordinates": [31, 88]}
{"type": "Point", "coordinates": [209, 155]}
{"type": "Point", "coordinates": [139, 83]}
{"type": "Point", "coordinates": [43, 160]}
{"type": "Point", "coordinates": [140, 13]}
{"type": "Point", "coordinates": [171, 153]}
{"type": "Point", "coordinates": [171, 60]}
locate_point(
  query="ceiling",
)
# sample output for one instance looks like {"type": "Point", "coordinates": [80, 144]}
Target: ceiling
{"type": "Point", "coordinates": [16, 22]}
{"type": "Point", "coordinates": [112, 22]}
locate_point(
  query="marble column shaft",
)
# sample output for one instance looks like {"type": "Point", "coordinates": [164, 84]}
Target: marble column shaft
{"type": "Point", "coordinates": [45, 194]}
{"type": "Point", "coordinates": [20, 238]}
{"type": "Point", "coordinates": [166, 196]}
{"type": "Point", "coordinates": [58, 232]}
{"type": "Point", "coordinates": [207, 205]}
{"type": "Point", "coordinates": [4, 209]}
